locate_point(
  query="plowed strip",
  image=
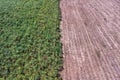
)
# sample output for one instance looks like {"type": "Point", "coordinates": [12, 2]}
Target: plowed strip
{"type": "Point", "coordinates": [90, 32]}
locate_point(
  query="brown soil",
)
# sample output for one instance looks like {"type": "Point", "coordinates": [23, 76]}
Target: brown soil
{"type": "Point", "coordinates": [91, 39]}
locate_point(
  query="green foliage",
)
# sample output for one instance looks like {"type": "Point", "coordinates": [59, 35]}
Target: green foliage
{"type": "Point", "coordinates": [30, 47]}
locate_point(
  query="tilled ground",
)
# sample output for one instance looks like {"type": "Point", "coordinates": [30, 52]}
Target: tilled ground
{"type": "Point", "coordinates": [91, 39]}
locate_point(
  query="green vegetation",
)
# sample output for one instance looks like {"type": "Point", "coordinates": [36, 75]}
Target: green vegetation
{"type": "Point", "coordinates": [30, 47]}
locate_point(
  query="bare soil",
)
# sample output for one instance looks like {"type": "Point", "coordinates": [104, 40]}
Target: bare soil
{"type": "Point", "coordinates": [90, 32]}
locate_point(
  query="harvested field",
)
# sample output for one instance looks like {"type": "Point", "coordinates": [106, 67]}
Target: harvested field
{"type": "Point", "coordinates": [91, 39]}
